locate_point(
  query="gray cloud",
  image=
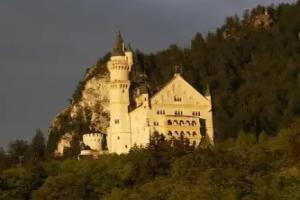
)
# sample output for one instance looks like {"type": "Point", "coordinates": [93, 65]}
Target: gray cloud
{"type": "Point", "coordinates": [46, 45]}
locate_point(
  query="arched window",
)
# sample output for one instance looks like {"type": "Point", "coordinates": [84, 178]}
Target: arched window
{"type": "Point", "coordinates": [170, 133]}
{"type": "Point", "coordinates": [182, 134]}
{"type": "Point", "coordinates": [188, 133]}
{"type": "Point", "coordinates": [193, 123]}
{"type": "Point", "coordinates": [188, 122]}
{"type": "Point", "coordinates": [181, 123]}
{"type": "Point", "coordinates": [175, 122]}
{"type": "Point", "coordinates": [169, 122]}
{"type": "Point", "coordinates": [176, 133]}
{"type": "Point", "coordinates": [194, 133]}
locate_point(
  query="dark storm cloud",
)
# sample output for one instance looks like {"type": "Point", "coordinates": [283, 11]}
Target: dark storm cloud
{"type": "Point", "coordinates": [45, 46]}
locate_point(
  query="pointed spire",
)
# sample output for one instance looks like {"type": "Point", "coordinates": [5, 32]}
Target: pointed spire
{"type": "Point", "coordinates": [129, 48]}
{"type": "Point", "coordinates": [177, 70]}
{"type": "Point", "coordinates": [118, 50]}
{"type": "Point", "coordinates": [207, 91]}
{"type": "Point", "coordinates": [144, 84]}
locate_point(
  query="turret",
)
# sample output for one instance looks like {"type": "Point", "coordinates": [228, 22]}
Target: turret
{"type": "Point", "coordinates": [129, 55]}
{"type": "Point", "coordinates": [207, 93]}
{"type": "Point", "coordinates": [93, 141]}
{"type": "Point", "coordinates": [119, 66]}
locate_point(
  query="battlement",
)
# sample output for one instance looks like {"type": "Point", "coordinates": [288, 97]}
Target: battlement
{"type": "Point", "coordinates": [93, 140]}
{"type": "Point", "coordinates": [92, 135]}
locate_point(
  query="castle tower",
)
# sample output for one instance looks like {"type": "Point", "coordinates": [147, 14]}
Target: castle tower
{"type": "Point", "coordinates": [119, 66]}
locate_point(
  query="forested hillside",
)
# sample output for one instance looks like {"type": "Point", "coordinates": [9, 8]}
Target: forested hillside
{"type": "Point", "coordinates": [247, 168]}
{"type": "Point", "coordinates": [253, 71]}
{"type": "Point", "coordinates": [252, 67]}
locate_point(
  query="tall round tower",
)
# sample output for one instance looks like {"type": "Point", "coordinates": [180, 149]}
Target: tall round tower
{"type": "Point", "coordinates": [119, 66]}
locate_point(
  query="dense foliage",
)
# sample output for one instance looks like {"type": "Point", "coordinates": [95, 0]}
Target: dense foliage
{"type": "Point", "coordinates": [248, 167]}
{"type": "Point", "coordinates": [253, 72]}
{"type": "Point", "coordinates": [254, 76]}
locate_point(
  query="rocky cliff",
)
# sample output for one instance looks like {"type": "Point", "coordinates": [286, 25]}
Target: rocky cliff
{"type": "Point", "coordinates": [87, 112]}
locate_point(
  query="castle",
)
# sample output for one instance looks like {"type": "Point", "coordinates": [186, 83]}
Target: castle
{"type": "Point", "coordinates": [176, 110]}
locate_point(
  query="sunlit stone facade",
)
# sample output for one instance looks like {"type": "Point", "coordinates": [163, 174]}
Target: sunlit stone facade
{"type": "Point", "coordinates": [176, 110]}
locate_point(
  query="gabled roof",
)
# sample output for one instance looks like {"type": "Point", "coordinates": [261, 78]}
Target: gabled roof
{"type": "Point", "coordinates": [175, 78]}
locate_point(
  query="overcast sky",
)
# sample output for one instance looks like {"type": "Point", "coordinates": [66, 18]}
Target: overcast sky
{"type": "Point", "coordinates": [46, 45]}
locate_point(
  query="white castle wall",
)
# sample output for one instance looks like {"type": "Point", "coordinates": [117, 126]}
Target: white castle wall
{"type": "Point", "coordinates": [139, 120]}
{"type": "Point", "coordinates": [119, 133]}
{"type": "Point", "coordinates": [93, 140]}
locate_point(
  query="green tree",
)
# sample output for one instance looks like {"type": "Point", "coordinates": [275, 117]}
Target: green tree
{"type": "Point", "coordinates": [16, 151]}
{"type": "Point", "coordinates": [74, 150]}
{"type": "Point", "coordinates": [53, 139]}
{"type": "Point", "coordinates": [36, 150]}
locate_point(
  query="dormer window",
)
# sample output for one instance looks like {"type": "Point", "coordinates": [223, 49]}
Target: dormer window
{"type": "Point", "coordinates": [178, 113]}
{"type": "Point", "coordinates": [196, 113]}
{"type": "Point", "coordinates": [160, 112]}
{"type": "Point", "coordinates": [177, 99]}
{"type": "Point", "coordinates": [155, 123]}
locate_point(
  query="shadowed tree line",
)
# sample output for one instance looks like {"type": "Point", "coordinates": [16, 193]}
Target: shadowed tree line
{"type": "Point", "coordinates": [248, 167]}
{"type": "Point", "coordinates": [253, 74]}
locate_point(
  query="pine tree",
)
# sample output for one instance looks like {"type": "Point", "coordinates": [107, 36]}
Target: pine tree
{"type": "Point", "coordinates": [36, 150]}
{"type": "Point", "coordinates": [74, 150]}
{"type": "Point", "coordinates": [16, 151]}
